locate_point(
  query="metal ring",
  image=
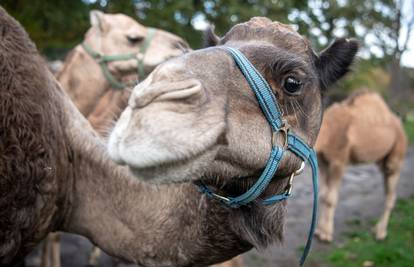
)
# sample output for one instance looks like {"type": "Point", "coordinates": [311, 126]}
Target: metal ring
{"type": "Point", "coordinates": [284, 129]}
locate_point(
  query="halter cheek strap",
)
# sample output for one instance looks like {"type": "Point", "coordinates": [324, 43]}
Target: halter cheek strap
{"type": "Point", "coordinates": [103, 60]}
{"type": "Point", "coordinates": [292, 142]}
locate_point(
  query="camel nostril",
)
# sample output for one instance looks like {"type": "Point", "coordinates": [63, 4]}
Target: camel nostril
{"type": "Point", "coordinates": [164, 90]}
{"type": "Point", "coordinates": [181, 92]}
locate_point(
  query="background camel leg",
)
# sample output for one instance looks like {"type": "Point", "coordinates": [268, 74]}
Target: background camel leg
{"type": "Point", "coordinates": [45, 260]}
{"type": "Point", "coordinates": [323, 188]}
{"type": "Point", "coordinates": [51, 251]}
{"type": "Point", "coordinates": [94, 257]}
{"type": "Point", "coordinates": [235, 262]}
{"type": "Point", "coordinates": [391, 171]}
{"type": "Point", "coordinates": [332, 177]}
{"type": "Point", "coordinates": [55, 249]}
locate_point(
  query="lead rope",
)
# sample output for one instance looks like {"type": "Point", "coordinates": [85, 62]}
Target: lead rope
{"type": "Point", "coordinates": [270, 108]}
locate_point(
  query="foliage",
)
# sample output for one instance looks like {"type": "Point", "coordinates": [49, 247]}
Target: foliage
{"type": "Point", "coordinates": [364, 76]}
{"type": "Point", "coordinates": [361, 249]}
{"type": "Point", "coordinates": [54, 25]}
{"type": "Point", "coordinates": [60, 23]}
{"type": "Point", "coordinates": [180, 17]}
{"type": "Point", "coordinates": [409, 127]}
{"type": "Point", "coordinates": [57, 25]}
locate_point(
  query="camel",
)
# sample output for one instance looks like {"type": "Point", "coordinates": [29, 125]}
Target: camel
{"type": "Point", "coordinates": [195, 117]}
{"type": "Point", "coordinates": [56, 174]}
{"type": "Point", "coordinates": [113, 35]}
{"type": "Point", "coordinates": [361, 129]}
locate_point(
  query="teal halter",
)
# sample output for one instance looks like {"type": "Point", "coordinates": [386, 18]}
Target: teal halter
{"type": "Point", "coordinates": [292, 142]}
{"type": "Point", "coordinates": [103, 60]}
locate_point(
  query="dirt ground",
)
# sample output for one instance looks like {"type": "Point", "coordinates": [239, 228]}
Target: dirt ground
{"type": "Point", "coordinates": [361, 198]}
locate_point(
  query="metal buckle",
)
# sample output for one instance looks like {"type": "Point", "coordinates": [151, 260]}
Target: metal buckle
{"type": "Point", "coordinates": [220, 197]}
{"type": "Point", "coordinates": [139, 56]}
{"type": "Point", "coordinates": [284, 129]}
{"type": "Point", "coordinates": [301, 168]}
{"type": "Point", "coordinates": [292, 175]}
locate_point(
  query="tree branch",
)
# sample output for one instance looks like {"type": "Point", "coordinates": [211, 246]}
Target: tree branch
{"type": "Point", "coordinates": [409, 28]}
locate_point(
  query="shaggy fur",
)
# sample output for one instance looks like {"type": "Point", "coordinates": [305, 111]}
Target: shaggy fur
{"type": "Point", "coordinates": [29, 147]}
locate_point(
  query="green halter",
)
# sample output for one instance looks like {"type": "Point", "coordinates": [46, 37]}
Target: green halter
{"type": "Point", "coordinates": [103, 60]}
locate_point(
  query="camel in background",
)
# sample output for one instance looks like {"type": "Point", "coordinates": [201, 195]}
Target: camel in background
{"type": "Point", "coordinates": [113, 35]}
{"type": "Point", "coordinates": [360, 129]}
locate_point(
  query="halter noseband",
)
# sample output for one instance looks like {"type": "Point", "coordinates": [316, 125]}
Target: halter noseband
{"type": "Point", "coordinates": [103, 60]}
{"type": "Point", "coordinates": [292, 142]}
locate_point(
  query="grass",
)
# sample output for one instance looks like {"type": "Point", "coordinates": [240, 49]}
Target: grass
{"type": "Point", "coordinates": [409, 128]}
{"type": "Point", "coordinates": [362, 250]}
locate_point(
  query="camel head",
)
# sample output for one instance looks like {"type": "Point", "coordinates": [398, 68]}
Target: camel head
{"type": "Point", "coordinates": [118, 34]}
{"type": "Point", "coordinates": [195, 117]}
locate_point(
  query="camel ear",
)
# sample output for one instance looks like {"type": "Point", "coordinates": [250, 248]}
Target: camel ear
{"type": "Point", "coordinates": [335, 61]}
{"type": "Point", "coordinates": [97, 19]}
{"type": "Point", "coordinates": [210, 38]}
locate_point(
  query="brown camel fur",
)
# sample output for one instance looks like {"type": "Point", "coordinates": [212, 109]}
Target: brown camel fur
{"type": "Point", "coordinates": [55, 173]}
{"type": "Point", "coordinates": [113, 34]}
{"type": "Point", "coordinates": [361, 129]}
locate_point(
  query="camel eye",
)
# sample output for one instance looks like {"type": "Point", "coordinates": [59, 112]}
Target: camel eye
{"type": "Point", "coordinates": [134, 39]}
{"type": "Point", "coordinates": [292, 85]}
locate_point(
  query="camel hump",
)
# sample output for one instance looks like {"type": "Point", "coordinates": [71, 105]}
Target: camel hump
{"type": "Point", "coordinates": [363, 120]}
{"type": "Point", "coordinates": [26, 134]}
{"type": "Point", "coordinates": [369, 108]}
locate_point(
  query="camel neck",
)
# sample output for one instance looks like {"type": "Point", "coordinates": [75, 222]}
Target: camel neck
{"type": "Point", "coordinates": [83, 80]}
{"type": "Point", "coordinates": [145, 223]}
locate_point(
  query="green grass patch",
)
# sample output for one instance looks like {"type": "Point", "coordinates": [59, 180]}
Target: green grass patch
{"type": "Point", "coordinates": [409, 129]}
{"type": "Point", "coordinates": [361, 249]}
